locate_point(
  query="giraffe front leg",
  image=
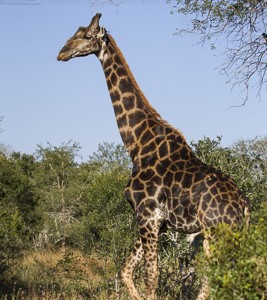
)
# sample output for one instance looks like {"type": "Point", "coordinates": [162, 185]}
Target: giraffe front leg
{"type": "Point", "coordinates": [150, 236]}
{"type": "Point", "coordinates": [151, 268]}
{"type": "Point", "coordinates": [127, 271]}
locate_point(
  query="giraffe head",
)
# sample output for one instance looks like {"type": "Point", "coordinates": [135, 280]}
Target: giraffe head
{"type": "Point", "coordinates": [86, 41]}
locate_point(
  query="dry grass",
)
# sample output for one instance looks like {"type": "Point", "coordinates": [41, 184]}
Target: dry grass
{"type": "Point", "coordinates": [67, 265]}
{"type": "Point", "coordinates": [63, 274]}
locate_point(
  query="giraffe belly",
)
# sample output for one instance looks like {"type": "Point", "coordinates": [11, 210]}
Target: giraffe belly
{"type": "Point", "coordinates": [181, 214]}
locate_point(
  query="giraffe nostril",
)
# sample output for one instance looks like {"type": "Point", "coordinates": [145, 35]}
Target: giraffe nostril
{"type": "Point", "coordinates": [62, 56]}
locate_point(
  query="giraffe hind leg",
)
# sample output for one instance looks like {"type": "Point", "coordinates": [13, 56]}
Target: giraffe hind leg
{"type": "Point", "coordinates": [205, 289]}
{"type": "Point", "coordinates": [131, 263]}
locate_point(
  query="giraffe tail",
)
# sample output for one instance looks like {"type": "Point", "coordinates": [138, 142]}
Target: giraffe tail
{"type": "Point", "coordinates": [247, 214]}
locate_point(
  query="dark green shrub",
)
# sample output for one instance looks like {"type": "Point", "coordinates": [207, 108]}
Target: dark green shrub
{"type": "Point", "coordinates": [237, 268]}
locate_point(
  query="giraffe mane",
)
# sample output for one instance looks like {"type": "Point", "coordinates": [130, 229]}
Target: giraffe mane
{"type": "Point", "coordinates": [150, 108]}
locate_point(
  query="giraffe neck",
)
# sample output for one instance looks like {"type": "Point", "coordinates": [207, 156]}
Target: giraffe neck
{"type": "Point", "coordinates": [137, 120]}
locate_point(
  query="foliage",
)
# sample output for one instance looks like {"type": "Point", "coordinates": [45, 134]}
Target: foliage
{"type": "Point", "coordinates": [108, 224]}
{"type": "Point", "coordinates": [59, 184]}
{"type": "Point", "coordinates": [83, 205]}
{"type": "Point", "coordinates": [110, 156]}
{"type": "Point", "coordinates": [241, 25]}
{"type": "Point", "coordinates": [17, 207]}
{"type": "Point", "coordinates": [238, 264]}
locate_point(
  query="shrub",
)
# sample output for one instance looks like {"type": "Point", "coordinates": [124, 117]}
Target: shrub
{"type": "Point", "coordinates": [237, 268]}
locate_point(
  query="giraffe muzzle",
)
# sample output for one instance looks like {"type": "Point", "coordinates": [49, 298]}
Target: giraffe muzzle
{"type": "Point", "coordinates": [63, 57]}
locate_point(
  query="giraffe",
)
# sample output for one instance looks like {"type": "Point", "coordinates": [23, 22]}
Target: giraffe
{"type": "Point", "coordinates": [169, 186]}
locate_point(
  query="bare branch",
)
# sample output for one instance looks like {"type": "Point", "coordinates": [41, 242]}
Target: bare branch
{"type": "Point", "coordinates": [241, 26]}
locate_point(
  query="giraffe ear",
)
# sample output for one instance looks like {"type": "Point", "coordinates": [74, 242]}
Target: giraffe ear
{"type": "Point", "coordinates": [94, 25]}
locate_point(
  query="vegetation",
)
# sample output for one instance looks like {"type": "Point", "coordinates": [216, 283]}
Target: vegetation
{"type": "Point", "coordinates": [65, 227]}
{"type": "Point", "coordinates": [241, 25]}
{"type": "Point", "coordinates": [237, 268]}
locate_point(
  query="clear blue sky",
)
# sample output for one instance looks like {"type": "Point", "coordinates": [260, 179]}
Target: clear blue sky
{"type": "Point", "coordinates": [46, 100]}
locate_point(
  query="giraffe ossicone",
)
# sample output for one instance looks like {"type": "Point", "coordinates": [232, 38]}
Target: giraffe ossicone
{"type": "Point", "coordinates": [169, 185]}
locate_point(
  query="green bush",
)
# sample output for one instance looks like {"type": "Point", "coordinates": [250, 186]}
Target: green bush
{"type": "Point", "coordinates": [108, 221]}
{"type": "Point", "coordinates": [237, 268]}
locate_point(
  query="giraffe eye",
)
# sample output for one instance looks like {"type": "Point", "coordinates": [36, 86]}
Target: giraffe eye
{"type": "Point", "coordinates": [88, 37]}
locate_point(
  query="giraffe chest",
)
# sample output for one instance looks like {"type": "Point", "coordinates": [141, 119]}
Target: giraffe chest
{"type": "Point", "coordinates": [170, 189]}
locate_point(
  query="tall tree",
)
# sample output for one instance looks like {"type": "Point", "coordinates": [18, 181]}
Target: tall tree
{"type": "Point", "coordinates": [59, 185]}
{"type": "Point", "coordinates": [242, 26]}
